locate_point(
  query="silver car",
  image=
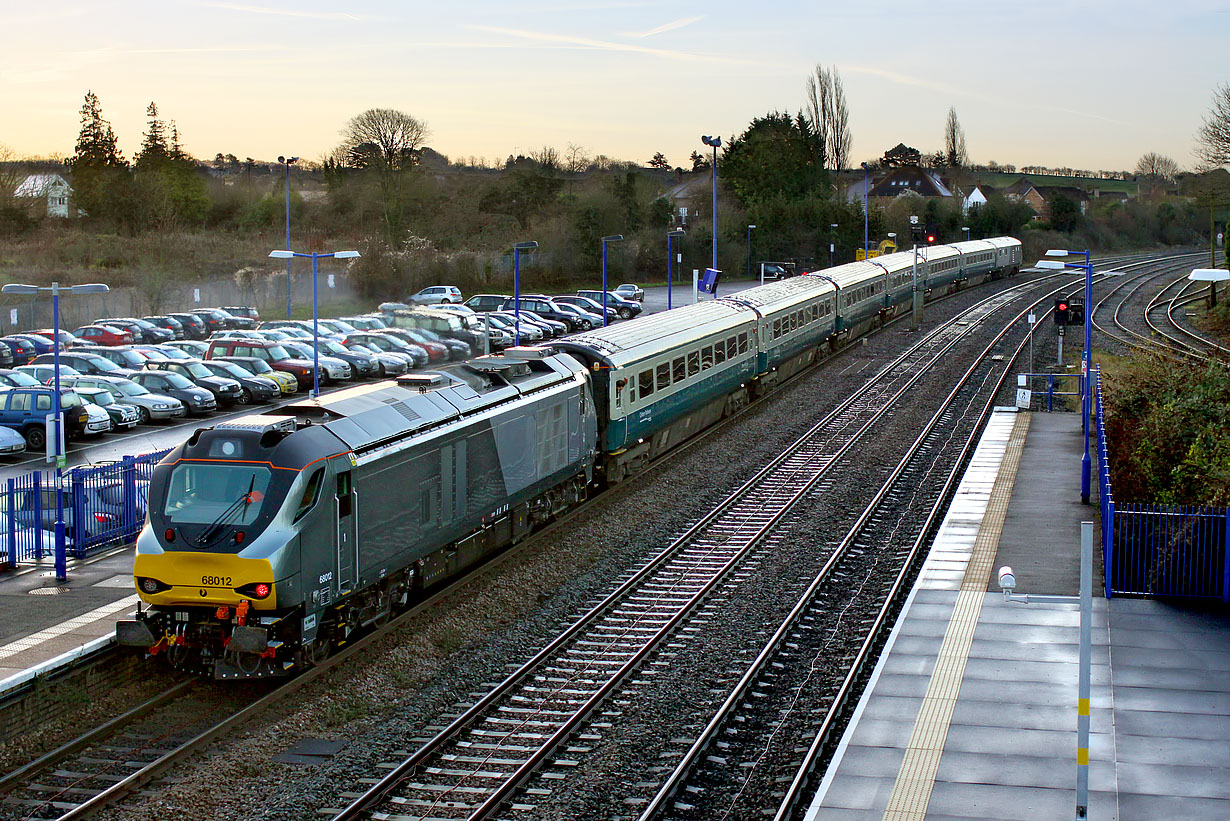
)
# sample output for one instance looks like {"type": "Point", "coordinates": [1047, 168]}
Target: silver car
{"type": "Point", "coordinates": [11, 442]}
{"type": "Point", "coordinates": [436, 295]}
{"type": "Point", "coordinates": [151, 406]}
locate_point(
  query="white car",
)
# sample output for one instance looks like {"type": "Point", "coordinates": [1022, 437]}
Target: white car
{"type": "Point", "coordinates": [437, 295]}
{"type": "Point", "coordinates": [98, 421]}
{"type": "Point", "coordinates": [11, 442]}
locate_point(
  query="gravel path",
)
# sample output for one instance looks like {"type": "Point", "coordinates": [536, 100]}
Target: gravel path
{"type": "Point", "coordinates": [381, 704]}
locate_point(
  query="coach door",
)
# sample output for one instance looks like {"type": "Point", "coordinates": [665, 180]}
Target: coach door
{"type": "Point", "coordinates": [347, 503]}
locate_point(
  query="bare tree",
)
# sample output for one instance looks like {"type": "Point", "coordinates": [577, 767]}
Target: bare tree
{"type": "Point", "coordinates": [954, 141]}
{"type": "Point", "coordinates": [1213, 138]}
{"type": "Point", "coordinates": [547, 157]}
{"type": "Point", "coordinates": [382, 137]}
{"type": "Point", "coordinates": [575, 159]}
{"type": "Point", "coordinates": [829, 116]}
{"type": "Point", "coordinates": [11, 176]}
{"type": "Point", "coordinates": [1157, 167]}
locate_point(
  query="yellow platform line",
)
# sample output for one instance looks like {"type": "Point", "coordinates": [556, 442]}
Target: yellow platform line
{"type": "Point", "coordinates": [916, 778]}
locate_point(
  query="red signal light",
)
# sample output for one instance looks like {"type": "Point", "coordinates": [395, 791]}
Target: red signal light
{"type": "Point", "coordinates": [1063, 306]}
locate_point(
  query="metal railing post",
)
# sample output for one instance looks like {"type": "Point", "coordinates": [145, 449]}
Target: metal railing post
{"type": "Point", "coordinates": [11, 535]}
{"type": "Point", "coordinates": [1225, 559]}
{"type": "Point", "coordinates": [38, 515]}
{"type": "Point", "coordinates": [128, 510]}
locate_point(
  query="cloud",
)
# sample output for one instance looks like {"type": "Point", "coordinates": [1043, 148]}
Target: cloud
{"type": "Point", "coordinates": [671, 26]}
{"type": "Point", "coordinates": [310, 15]}
{"type": "Point", "coordinates": [585, 43]}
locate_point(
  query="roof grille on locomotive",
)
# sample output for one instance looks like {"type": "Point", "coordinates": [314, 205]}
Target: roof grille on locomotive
{"type": "Point", "coordinates": [259, 423]}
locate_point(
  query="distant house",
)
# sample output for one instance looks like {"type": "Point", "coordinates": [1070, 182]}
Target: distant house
{"type": "Point", "coordinates": [1036, 196]}
{"type": "Point", "coordinates": [689, 197]}
{"type": "Point", "coordinates": [53, 189]}
{"type": "Point", "coordinates": [978, 195]}
{"type": "Point", "coordinates": [898, 181]}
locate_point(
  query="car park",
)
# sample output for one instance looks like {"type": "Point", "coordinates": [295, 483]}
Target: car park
{"type": "Point", "coordinates": [226, 391]}
{"type": "Point", "coordinates": [46, 373]}
{"type": "Point", "coordinates": [26, 409]}
{"type": "Point", "coordinates": [278, 357]}
{"type": "Point", "coordinates": [125, 356]}
{"type": "Point", "coordinates": [89, 361]}
{"type": "Point", "coordinates": [630, 291]}
{"type": "Point", "coordinates": [23, 349]}
{"type": "Point", "coordinates": [195, 326]}
{"type": "Point", "coordinates": [436, 294]}
{"type": "Point", "coordinates": [67, 339]}
{"type": "Point", "coordinates": [417, 354]}
{"type": "Point", "coordinates": [445, 323]}
{"type": "Point", "coordinates": [288, 383]}
{"type": "Point", "coordinates": [138, 333]}
{"type": "Point", "coordinates": [101, 505]}
{"type": "Point", "coordinates": [193, 347]}
{"type": "Point", "coordinates": [214, 319]}
{"type": "Point", "coordinates": [152, 406]}
{"type": "Point", "coordinates": [42, 344]}
{"type": "Point", "coordinates": [246, 311]}
{"type": "Point", "coordinates": [627, 308]}
{"type": "Point", "coordinates": [123, 415]}
{"type": "Point", "coordinates": [253, 388]}
{"type": "Point", "coordinates": [104, 335]}
{"type": "Point", "coordinates": [197, 401]}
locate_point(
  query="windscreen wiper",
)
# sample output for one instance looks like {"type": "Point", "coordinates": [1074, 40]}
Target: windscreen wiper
{"type": "Point", "coordinates": [225, 516]}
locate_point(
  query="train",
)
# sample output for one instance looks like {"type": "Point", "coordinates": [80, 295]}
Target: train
{"type": "Point", "coordinates": [272, 538]}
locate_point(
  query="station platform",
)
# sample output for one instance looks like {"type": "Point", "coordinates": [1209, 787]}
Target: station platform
{"type": "Point", "coordinates": [44, 623]}
{"type": "Point", "coordinates": [971, 710]}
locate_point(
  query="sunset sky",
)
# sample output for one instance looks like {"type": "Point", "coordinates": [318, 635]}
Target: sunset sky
{"type": "Point", "coordinates": [1048, 82]}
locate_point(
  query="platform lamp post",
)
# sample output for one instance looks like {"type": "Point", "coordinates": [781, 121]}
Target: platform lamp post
{"type": "Point", "coordinates": [892, 237]}
{"type": "Point", "coordinates": [715, 143]}
{"type": "Point", "coordinates": [675, 232]}
{"type": "Point", "coordinates": [750, 229]}
{"type": "Point", "coordinates": [966, 230]}
{"type": "Point", "coordinates": [866, 204]}
{"type": "Point", "coordinates": [1087, 267]}
{"type": "Point", "coordinates": [56, 428]}
{"type": "Point", "coordinates": [287, 162]}
{"type": "Point", "coordinates": [832, 241]}
{"type": "Point", "coordinates": [315, 257]}
{"type": "Point", "coordinates": [605, 240]}
{"type": "Point", "coordinates": [518, 247]}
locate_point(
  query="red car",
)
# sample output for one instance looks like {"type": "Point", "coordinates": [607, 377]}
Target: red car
{"type": "Point", "coordinates": [104, 335]}
{"type": "Point", "coordinates": [67, 340]}
{"type": "Point", "coordinates": [437, 351]}
{"type": "Point", "coordinates": [278, 357]}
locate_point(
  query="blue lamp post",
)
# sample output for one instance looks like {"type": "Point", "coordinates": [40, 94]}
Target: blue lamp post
{"type": "Point", "coordinates": [315, 257]}
{"type": "Point", "coordinates": [286, 163]}
{"type": "Point", "coordinates": [715, 143]}
{"type": "Point", "coordinates": [605, 240]}
{"type": "Point", "coordinates": [1087, 267]}
{"type": "Point", "coordinates": [750, 228]}
{"type": "Point", "coordinates": [676, 232]}
{"type": "Point", "coordinates": [866, 204]}
{"type": "Point", "coordinates": [56, 452]}
{"type": "Point", "coordinates": [518, 247]}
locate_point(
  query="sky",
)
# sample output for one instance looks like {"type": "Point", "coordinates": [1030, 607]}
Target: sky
{"type": "Point", "coordinates": [1090, 84]}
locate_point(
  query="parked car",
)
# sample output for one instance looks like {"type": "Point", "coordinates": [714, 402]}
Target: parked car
{"type": "Point", "coordinates": [387, 364]}
{"type": "Point", "coordinates": [46, 373]}
{"type": "Point", "coordinates": [153, 352]}
{"type": "Point", "coordinates": [151, 406]}
{"type": "Point", "coordinates": [627, 308]}
{"type": "Point", "coordinates": [496, 337]}
{"type": "Point", "coordinates": [236, 320]}
{"type": "Point", "coordinates": [25, 410]}
{"type": "Point", "coordinates": [286, 382]}
{"type": "Point", "coordinates": [42, 344]}
{"type": "Point", "coordinates": [139, 333]}
{"type": "Point", "coordinates": [154, 334]}
{"type": "Point", "coordinates": [365, 323]}
{"type": "Point", "coordinates": [444, 323]}
{"type": "Point", "coordinates": [436, 294]}
{"type": "Point", "coordinates": [332, 369]}
{"type": "Point", "coordinates": [23, 349]}
{"type": "Point", "coordinates": [272, 352]}
{"type": "Point", "coordinates": [363, 365]}
{"type": "Point", "coordinates": [481, 303]}
{"type": "Point", "coordinates": [543, 306]}
{"type": "Point", "coordinates": [630, 291]}
{"type": "Point", "coordinates": [99, 421]}
{"type": "Point", "coordinates": [170, 323]}
{"type": "Point", "coordinates": [89, 361]}
{"type": "Point", "coordinates": [11, 443]}
{"type": "Point", "coordinates": [123, 415]}
{"type": "Point", "coordinates": [166, 351]}
{"type": "Point", "coordinates": [417, 354]}
{"type": "Point", "coordinates": [67, 339]}
{"type": "Point", "coordinates": [195, 326]}
{"type": "Point", "coordinates": [125, 356]}
{"type": "Point", "coordinates": [6, 356]}
{"type": "Point", "coordinates": [390, 307]}
{"type": "Point", "coordinates": [436, 348]}
{"type": "Point", "coordinates": [214, 319]}
{"type": "Point", "coordinates": [589, 306]}
{"type": "Point", "coordinates": [197, 401]}
{"type": "Point", "coordinates": [586, 321]}
{"type": "Point", "coordinates": [243, 311]}
{"type": "Point", "coordinates": [253, 388]}
{"type": "Point", "coordinates": [226, 391]}
{"type": "Point", "coordinates": [528, 332]}
{"type": "Point", "coordinates": [103, 335]}
{"type": "Point", "coordinates": [193, 347]}
{"type": "Point", "coordinates": [10, 378]}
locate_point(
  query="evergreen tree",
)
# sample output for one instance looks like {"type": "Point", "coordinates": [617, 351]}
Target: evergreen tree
{"type": "Point", "coordinates": [100, 175]}
{"type": "Point", "coordinates": [154, 149]}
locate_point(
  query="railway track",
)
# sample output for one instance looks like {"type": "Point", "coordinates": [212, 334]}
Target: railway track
{"type": "Point", "coordinates": [1145, 336]}
{"type": "Point", "coordinates": [541, 718]}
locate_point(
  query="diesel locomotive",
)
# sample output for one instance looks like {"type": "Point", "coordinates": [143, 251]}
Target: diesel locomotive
{"type": "Point", "coordinates": [273, 537]}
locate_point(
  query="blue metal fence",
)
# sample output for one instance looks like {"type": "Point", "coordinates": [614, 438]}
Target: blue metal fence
{"type": "Point", "coordinates": [1159, 550]}
{"type": "Point", "coordinates": [103, 505]}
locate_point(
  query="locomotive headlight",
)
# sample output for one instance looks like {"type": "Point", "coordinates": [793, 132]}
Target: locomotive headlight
{"type": "Point", "coordinates": [151, 586]}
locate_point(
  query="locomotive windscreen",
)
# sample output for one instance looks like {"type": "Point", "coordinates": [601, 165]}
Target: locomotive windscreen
{"type": "Point", "coordinates": [200, 493]}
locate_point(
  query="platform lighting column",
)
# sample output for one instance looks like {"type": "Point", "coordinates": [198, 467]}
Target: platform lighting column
{"type": "Point", "coordinates": [750, 228]}
{"type": "Point", "coordinates": [866, 204]}
{"type": "Point", "coordinates": [715, 143]}
{"type": "Point", "coordinates": [286, 163]}
{"type": "Point", "coordinates": [1086, 353]}
{"type": "Point", "coordinates": [57, 426]}
{"type": "Point", "coordinates": [832, 241]}
{"type": "Point", "coordinates": [518, 247]}
{"type": "Point", "coordinates": [605, 240]}
{"type": "Point", "coordinates": [966, 230]}
{"type": "Point", "coordinates": [677, 232]}
{"type": "Point", "coordinates": [315, 257]}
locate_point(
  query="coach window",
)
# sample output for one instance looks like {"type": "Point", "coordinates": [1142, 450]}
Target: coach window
{"type": "Point", "coordinates": [693, 363]}
{"type": "Point", "coordinates": [719, 352]}
{"type": "Point", "coordinates": [743, 342]}
{"type": "Point", "coordinates": [619, 392]}
{"type": "Point", "coordinates": [706, 357]}
{"type": "Point", "coordinates": [680, 372]}
{"type": "Point", "coordinates": [664, 376]}
{"type": "Point", "coordinates": [777, 328]}
{"type": "Point", "coordinates": [732, 348]}
{"type": "Point", "coordinates": [646, 383]}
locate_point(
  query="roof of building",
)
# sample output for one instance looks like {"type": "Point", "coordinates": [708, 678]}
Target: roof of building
{"type": "Point", "coordinates": [909, 178]}
{"type": "Point", "coordinates": [36, 185]}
